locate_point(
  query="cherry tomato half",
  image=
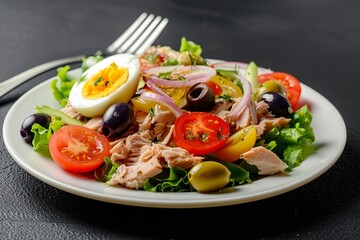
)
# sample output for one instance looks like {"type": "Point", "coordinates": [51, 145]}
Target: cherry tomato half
{"type": "Point", "coordinates": [240, 142]}
{"type": "Point", "coordinates": [215, 88]}
{"type": "Point", "coordinates": [78, 149]}
{"type": "Point", "coordinates": [291, 84]}
{"type": "Point", "coordinates": [200, 133]}
{"type": "Point", "coordinates": [228, 87]}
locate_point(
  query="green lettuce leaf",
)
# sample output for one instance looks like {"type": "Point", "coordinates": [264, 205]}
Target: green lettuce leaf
{"type": "Point", "coordinates": [62, 85]}
{"type": "Point", "coordinates": [302, 118]}
{"type": "Point", "coordinates": [289, 143]}
{"type": "Point", "coordinates": [238, 174]}
{"type": "Point", "coordinates": [42, 136]}
{"type": "Point", "coordinates": [190, 46]}
{"type": "Point", "coordinates": [170, 180]}
{"type": "Point", "coordinates": [105, 173]}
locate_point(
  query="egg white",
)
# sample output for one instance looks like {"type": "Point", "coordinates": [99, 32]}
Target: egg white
{"type": "Point", "coordinates": [97, 107]}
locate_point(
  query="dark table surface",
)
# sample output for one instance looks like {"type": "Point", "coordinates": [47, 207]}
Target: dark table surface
{"type": "Point", "coordinates": [317, 41]}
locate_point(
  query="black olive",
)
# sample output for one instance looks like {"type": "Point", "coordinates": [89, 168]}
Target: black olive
{"type": "Point", "coordinates": [279, 105]}
{"type": "Point", "coordinates": [117, 120]}
{"type": "Point", "coordinates": [200, 98]}
{"type": "Point", "coordinates": [25, 130]}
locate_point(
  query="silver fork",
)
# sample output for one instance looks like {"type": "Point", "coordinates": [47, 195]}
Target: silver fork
{"type": "Point", "coordinates": [135, 40]}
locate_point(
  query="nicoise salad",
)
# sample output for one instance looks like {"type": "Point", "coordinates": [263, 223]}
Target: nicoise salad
{"type": "Point", "coordinates": [172, 121]}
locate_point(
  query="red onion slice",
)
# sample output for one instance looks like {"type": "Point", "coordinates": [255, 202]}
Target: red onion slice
{"type": "Point", "coordinates": [244, 100]}
{"type": "Point", "coordinates": [167, 101]}
{"type": "Point", "coordinates": [162, 69]}
{"type": "Point", "coordinates": [190, 75]}
{"type": "Point", "coordinates": [158, 90]}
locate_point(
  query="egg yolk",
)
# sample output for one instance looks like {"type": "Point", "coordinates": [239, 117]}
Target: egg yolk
{"type": "Point", "coordinates": [105, 82]}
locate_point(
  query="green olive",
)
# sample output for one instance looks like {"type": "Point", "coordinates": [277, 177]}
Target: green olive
{"type": "Point", "coordinates": [272, 86]}
{"type": "Point", "coordinates": [209, 176]}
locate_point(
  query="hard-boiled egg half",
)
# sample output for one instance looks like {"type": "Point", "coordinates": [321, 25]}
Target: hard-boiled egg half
{"type": "Point", "coordinates": [112, 80]}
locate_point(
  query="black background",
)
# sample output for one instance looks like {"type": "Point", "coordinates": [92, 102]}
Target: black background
{"type": "Point", "coordinates": [317, 41]}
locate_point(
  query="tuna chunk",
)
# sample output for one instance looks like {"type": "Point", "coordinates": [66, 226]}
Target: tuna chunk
{"type": "Point", "coordinates": [262, 110]}
{"type": "Point", "coordinates": [144, 122]}
{"type": "Point", "coordinates": [134, 176]}
{"type": "Point", "coordinates": [150, 163]}
{"type": "Point", "coordinates": [176, 156]}
{"type": "Point", "coordinates": [248, 117]}
{"type": "Point", "coordinates": [168, 137]}
{"type": "Point", "coordinates": [119, 151]}
{"type": "Point", "coordinates": [159, 122]}
{"type": "Point", "coordinates": [70, 111]}
{"type": "Point", "coordinates": [136, 141]}
{"type": "Point", "coordinates": [265, 160]}
{"type": "Point", "coordinates": [94, 123]}
{"type": "Point", "coordinates": [221, 109]}
{"type": "Point", "coordinates": [161, 130]}
{"type": "Point", "coordinates": [161, 116]}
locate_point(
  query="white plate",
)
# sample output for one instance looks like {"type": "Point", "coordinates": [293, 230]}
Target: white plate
{"type": "Point", "coordinates": [328, 125]}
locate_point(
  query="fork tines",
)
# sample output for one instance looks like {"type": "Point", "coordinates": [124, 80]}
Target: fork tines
{"type": "Point", "coordinates": [140, 35]}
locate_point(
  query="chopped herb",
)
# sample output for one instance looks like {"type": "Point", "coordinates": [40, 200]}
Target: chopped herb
{"type": "Point", "coordinates": [164, 75]}
{"type": "Point", "coordinates": [171, 75]}
{"type": "Point", "coordinates": [190, 135]}
{"type": "Point", "coordinates": [225, 97]}
{"type": "Point", "coordinates": [170, 62]}
{"type": "Point", "coordinates": [220, 136]}
{"type": "Point", "coordinates": [204, 137]}
{"type": "Point", "coordinates": [192, 59]}
{"type": "Point", "coordinates": [97, 81]}
{"type": "Point", "coordinates": [82, 78]}
{"type": "Point", "coordinates": [151, 112]}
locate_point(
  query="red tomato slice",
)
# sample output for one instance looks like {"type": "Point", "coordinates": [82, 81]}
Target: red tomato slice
{"type": "Point", "coordinates": [291, 84]}
{"type": "Point", "coordinates": [78, 148]}
{"type": "Point", "coordinates": [215, 88]}
{"type": "Point", "coordinates": [200, 133]}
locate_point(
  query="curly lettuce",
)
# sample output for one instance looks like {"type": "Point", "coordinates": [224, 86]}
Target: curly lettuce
{"type": "Point", "coordinates": [171, 180]}
{"type": "Point", "coordinates": [190, 46]}
{"type": "Point", "coordinates": [42, 136]}
{"type": "Point", "coordinates": [61, 85]}
{"type": "Point", "coordinates": [289, 143]}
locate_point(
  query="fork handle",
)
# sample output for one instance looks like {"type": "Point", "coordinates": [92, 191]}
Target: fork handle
{"type": "Point", "coordinates": [7, 85]}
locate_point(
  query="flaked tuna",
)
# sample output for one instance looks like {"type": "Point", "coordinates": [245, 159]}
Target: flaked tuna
{"type": "Point", "coordinates": [176, 156]}
{"type": "Point", "coordinates": [265, 160]}
{"type": "Point", "coordinates": [144, 121]}
{"type": "Point", "coordinates": [262, 110]}
{"type": "Point", "coordinates": [169, 136]}
{"type": "Point", "coordinates": [246, 118]}
{"type": "Point", "coordinates": [94, 123]}
{"type": "Point", "coordinates": [70, 111]}
{"type": "Point", "coordinates": [134, 176]}
{"type": "Point", "coordinates": [159, 122]}
{"type": "Point", "coordinates": [119, 151]}
{"type": "Point", "coordinates": [135, 141]}
{"type": "Point", "coordinates": [150, 163]}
